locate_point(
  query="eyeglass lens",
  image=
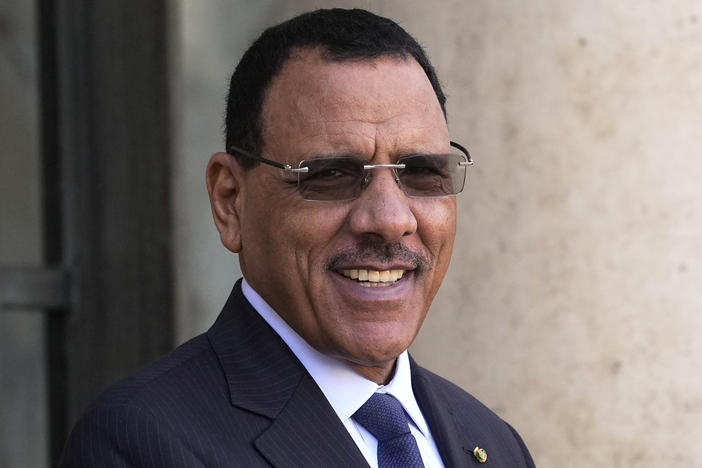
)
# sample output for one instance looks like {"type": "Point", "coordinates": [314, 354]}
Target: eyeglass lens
{"type": "Point", "coordinates": [342, 178]}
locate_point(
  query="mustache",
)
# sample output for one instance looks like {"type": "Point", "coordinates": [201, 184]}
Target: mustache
{"type": "Point", "coordinates": [375, 250]}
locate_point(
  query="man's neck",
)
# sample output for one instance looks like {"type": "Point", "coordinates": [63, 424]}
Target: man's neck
{"type": "Point", "coordinates": [380, 374]}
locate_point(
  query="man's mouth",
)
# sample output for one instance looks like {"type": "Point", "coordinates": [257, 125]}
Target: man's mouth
{"type": "Point", "coordinates": [374, 278]}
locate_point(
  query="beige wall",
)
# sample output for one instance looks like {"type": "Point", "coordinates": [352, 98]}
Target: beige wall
{"type": "Point", "coordinates": [574, 302]}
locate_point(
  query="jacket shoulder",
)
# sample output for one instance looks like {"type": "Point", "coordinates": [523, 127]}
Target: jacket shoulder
{"type": "Point", "coordinates": [463, 405]}
{"type": "Point", "coordinates": [459, 414]}
{"type": "Point", "coordinates": [132, 423]}
{"type": "Point", "coordinates": [176, 412]}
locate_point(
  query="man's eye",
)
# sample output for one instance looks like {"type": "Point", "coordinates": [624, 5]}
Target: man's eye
{"type": "Point", "coordinates": [424, 166]}
{"type": "Point", "coordinates": [330, 173]}
{"type": "Point", "coordinates": [425, 171]}
{"type": "Point", "coordinates": [421, 170]}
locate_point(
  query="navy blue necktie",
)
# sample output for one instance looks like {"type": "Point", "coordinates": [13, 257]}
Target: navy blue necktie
{"type": "Point", "coordinates": [382, 415]}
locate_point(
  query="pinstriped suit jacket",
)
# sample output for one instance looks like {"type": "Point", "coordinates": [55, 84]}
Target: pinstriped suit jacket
{"type": "Point", "coordinates": [237, 396]}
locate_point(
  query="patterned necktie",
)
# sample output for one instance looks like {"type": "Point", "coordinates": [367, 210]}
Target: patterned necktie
{"type": "Point", "coordinates": [382, 415]}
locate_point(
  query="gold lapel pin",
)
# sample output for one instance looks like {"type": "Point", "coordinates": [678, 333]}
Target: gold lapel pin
{"type": "Point", "coordinates": [480, 454]}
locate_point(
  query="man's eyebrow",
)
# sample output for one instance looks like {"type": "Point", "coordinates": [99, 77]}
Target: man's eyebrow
{"type": "Point", "coordinates": [416, 152]}
{"type": "Point", "coordinates": [360, 155]}
{"type": "Point", "coordinates": [330, 155]}
{"type": "Point", "coordinates": [402, 154]}
{"type": "Point", "coordinates": [342, 152]}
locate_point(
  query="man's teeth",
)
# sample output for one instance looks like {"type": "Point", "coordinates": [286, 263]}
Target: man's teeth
{"type": "Point", "coordinates": [374, 277]}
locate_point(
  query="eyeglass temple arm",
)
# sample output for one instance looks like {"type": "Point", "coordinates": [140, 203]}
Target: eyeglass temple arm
{"type": "Point", "coordinates": [465, 151]}
{"type": "Point", "coordinates": [286, 167]}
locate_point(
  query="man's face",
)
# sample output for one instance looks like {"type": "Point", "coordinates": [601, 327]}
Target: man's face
{"type": "Point", "coordinates": [298, 254]}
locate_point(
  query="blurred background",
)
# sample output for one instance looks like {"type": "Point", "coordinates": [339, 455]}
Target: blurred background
{"type": "Point", "coordinates": [573, 305]}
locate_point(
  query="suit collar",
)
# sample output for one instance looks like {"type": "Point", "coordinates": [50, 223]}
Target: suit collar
{"type": "Point", "coordinates": [265, 377]}
{"type": "Point", "coordinates": [261, 371]}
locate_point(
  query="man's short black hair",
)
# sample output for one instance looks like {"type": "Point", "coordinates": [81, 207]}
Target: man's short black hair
{"type": "Point", "coordinates": [341, 34]}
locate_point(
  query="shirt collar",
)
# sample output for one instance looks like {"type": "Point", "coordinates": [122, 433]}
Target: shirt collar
{"type": "Point", "coordinates": [344, 388]}
{"type": "Point", "coordinates": [401, 388]}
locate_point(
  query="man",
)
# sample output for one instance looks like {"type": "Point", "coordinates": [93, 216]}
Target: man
{"type": "Point", "coordinates": [337, 191]}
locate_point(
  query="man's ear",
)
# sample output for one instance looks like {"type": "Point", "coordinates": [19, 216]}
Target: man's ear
{"type": "Point", "coordinates": [224, 185]}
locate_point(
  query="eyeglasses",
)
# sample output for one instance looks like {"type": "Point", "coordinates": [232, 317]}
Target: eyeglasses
{"type": "Point", "coordinates": [344, 177]}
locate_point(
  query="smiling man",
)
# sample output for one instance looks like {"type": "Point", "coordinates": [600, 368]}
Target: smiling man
{"type": "Point", "coordinates": [338, 192]}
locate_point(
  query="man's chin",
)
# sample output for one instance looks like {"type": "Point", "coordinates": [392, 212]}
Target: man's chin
{"type": "Point", "coordinates": [374, 360]}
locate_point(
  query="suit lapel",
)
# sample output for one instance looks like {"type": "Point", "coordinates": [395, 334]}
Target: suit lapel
{"type": "Point", "coordinates": [266, 378]}
{"type": "Point", "coordinates": [307, 432]}
{"type": "Point", "coordinates": [455, 443]}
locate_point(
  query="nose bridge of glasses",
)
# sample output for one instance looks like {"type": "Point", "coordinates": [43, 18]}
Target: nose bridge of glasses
{"type": "Point", "coordinates": [368, 168]}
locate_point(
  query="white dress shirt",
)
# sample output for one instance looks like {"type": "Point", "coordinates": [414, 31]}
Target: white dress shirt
{"type": "Point", "coordinates": [346, 390]}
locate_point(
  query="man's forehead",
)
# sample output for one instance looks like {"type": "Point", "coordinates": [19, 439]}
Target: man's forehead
{"type": "Point", "coordinates": [314, 62]}
{"type": "Point", "coordinates": [350, 101]}
{"type": "Point", "coordinates": [308, 79]}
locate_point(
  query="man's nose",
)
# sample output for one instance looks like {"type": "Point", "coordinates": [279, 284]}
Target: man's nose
{"type": "Point", "coordinates": [383, 209]}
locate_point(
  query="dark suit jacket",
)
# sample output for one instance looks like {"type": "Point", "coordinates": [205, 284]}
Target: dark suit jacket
{"type": "Point", "coordinates": [237, 396]}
